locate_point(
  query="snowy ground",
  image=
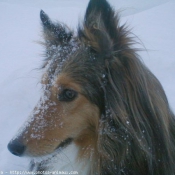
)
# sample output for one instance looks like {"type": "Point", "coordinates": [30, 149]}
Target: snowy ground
{"type": "Point", "coordinates": [152, 21]}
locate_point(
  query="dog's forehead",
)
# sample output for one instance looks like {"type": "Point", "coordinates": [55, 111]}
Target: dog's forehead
{"type": "Point", "coordinates": [56, 56]}
{"type": "Point", "coordinates": [59, 53]}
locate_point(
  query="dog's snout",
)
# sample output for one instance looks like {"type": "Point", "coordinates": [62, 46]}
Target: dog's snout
{"type": "Point", "coordinates": [16, 147]}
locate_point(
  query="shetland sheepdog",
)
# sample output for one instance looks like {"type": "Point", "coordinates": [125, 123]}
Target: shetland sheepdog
{"type": "Point", "coordinates": [101, 106]}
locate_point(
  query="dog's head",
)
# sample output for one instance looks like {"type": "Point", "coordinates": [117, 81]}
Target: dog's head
{"type": "Point", "coordinates": [73, 86]}
{"type": "Point", "coordinates": [98, 95]}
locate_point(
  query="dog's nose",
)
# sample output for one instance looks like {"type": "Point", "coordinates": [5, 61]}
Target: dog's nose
{"type": "Point", "coordinates": [16, 147]}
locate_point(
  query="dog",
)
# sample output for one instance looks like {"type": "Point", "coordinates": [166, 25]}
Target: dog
{"type": "Point", "coordinates": [100, 103]}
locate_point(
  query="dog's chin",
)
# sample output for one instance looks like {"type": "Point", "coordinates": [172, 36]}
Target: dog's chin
{"type": "Point", "coordinates": [56, 151]}
{"type": "Point", "coordinates": [66, 152]}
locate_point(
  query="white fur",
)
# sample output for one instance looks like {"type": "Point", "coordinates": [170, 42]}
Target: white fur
{"type": "Point", "coordinates": [64, 160]}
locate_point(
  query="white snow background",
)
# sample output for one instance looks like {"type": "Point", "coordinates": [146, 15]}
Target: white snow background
{"type": "Point", "coordinates": [153, 21]}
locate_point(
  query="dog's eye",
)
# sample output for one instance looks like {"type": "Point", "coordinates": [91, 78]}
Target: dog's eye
{"type": "Point", "coordinates": [67, 95]}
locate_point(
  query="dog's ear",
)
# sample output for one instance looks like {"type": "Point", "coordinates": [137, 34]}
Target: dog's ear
{"type": "Point", "coordinates": [55, 33]}
{"type": "Point", "coordinates": [101, 28]}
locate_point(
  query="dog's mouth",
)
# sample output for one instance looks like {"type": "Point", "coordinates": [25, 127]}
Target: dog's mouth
{"type": "Point", "coordinates": [64, 143]}
{"type": "Point", "coordinates": [40, 163]}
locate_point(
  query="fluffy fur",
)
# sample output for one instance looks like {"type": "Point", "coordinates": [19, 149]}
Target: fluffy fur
{"type": "Point", "coordinates": [101, 98]}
